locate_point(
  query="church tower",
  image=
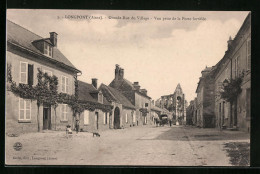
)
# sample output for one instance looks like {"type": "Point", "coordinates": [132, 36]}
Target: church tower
{"type": "Point", "coordinates": [180, 108]}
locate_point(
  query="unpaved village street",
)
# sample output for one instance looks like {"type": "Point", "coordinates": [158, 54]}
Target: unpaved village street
{"type": "Point", "coordinates": [142, 145]}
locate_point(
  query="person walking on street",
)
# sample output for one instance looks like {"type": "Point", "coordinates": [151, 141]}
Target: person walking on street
{"type": "Point", "coordinates": [77, 126]}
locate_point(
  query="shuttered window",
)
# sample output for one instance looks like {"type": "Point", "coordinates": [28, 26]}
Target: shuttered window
{"type": "Point", "coordinates": [64, 84]}
{"type": "Point", "coordinates": [24, 109]}
{"type": "Point", "coordinates": [47, 49]}
{"type": "Point", "coordinates": [30, 74]}
{"type": "Point", "coordinates": [26, 73]}
{"type": "Point", "coordinates": [104, 118]}
{"type": "Point", "coordinates": [64, 112]}
{"type": "Point", "coordinates": [236, 70]}
{"type": "Point", "coordinates": [23, 72]}
{"type": "Point", "coordinates": [86, 117]}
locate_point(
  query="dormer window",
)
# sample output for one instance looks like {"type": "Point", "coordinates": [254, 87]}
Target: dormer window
{"type": "Point", "coordinates": [100, 97]}
{"type": "Point", "coordinates": [47, 49]}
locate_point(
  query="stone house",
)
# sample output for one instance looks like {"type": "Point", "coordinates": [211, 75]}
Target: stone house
{"type": "Point", "coordinates": [98, 116]}
{"type": "Point", "coordinates": [205, 99]}
{"type": "Point", "coordinates": [26, 53]}
{"type": "Point", "coordinates": [124, 112]}
{"type": "Point", "coordinates": [138, 97]}
{"type": "Point", "coordinates": [195, 113]}
{"type": "Point", "coordinates": [155, 112]}
{"type": "Point", "coordinates": [236, 61]}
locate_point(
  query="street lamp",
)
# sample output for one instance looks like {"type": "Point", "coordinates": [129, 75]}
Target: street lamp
{"type": "Point", "coordinates": [225, 83]}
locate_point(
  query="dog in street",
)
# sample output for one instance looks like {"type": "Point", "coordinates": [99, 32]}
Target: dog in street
{"type": "Point", "coordinates": [96, 134]}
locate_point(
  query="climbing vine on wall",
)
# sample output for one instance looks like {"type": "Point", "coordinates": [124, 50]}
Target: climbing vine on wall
{"type": "Point", "coordinates": [232, 89]}
{"type": "Point", "coordinates": [46, 92]}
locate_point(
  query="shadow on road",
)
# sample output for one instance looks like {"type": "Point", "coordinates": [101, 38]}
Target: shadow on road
{"type": "Point", "coordinates": [200, 134]}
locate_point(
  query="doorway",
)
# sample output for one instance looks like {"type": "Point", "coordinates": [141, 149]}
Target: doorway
{"type": "Point", "coordinates": [46, 117]}
{"type": "Point", "coordinates": [117, 118]}
{"type": "Point", "coordinates": [96, 118]}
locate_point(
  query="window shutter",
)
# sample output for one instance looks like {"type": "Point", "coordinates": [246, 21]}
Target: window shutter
{"type": "Point", "coordinates": [30, 74]}
{"type": "Point", "coordinates": [86, 117]}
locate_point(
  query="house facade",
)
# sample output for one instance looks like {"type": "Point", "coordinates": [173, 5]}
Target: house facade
{"type": "Point", "coordinates": [205, 100]}
{"type": "Point", "coordinates": [123, 114]}
{"type": "Point", "coordinates": [97, 117]}
{"type": "Point", "coordinates": [138, 97]}
{"type": "Point", "coordinates": [236, 63]}
{"type": "Point", "coordinates": [26, 54]}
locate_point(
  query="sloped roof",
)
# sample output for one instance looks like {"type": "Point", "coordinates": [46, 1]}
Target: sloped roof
{"type": "Point", "coordinates": [22, 37]}
{"type": "Point", "coordinates": [85, 90]}
{"type": "Point", "coordinates": [112, 94]}
{"type": "Point", "coordinates": [125, 85]}
{"type": "Point", "coordinates": [155, 108]}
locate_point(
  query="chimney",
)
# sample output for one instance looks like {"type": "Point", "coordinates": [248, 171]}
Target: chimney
{"type": "Point", "coordinates": [136, 86]}
{"type": "Point", "coordinates": [94, 82]}
{"type": "Point", "coordinates": [144, 91]}
{"type": "Point", "coordinates": [117, 71]}
{"type": "Point", "coordinates": [229, 42]}
{"type": "Point", "coordinates": [53, 38]}
{"type": "Point", "coordinates": [122, 73]}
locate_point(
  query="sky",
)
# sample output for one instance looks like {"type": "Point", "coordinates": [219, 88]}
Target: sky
{"type": "Point", "coordinates": [159, 49]}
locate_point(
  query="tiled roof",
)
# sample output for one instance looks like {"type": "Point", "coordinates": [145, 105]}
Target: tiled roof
{"type": "Point", "coordinates": [111, 94]}
{"type": "Point", "coordinates": [125, 85]}
{"type": "Point", "coordinates": [22, 37]}
{"type": "Point", "coordinates": [84, 91]}
{"type": "Point", "coordinates": [155, 108]}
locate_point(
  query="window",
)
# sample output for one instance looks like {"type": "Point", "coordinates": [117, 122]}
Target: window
{"type": "Point", "coordinates": [64, 112]}
{"type": "Point", "coordinates": [23, 72]}
{"type": "Point", "coordinates": [47, 49]}
{"type": "Point", "coordinates": [48, 72]}
{"type": "Point", "coordinates": [248, 50]}
{"type": "Point", "coordinates": [236, 66]}
{"type": "Point", "coordinates": [226, 73]}
{"type": "Point", "coordinates": [105, 117]}
{"type": "Point", "coordinates": [146, 105]}
{"type": "Point", "coordinates": [86, 117]}
{"type": "Point", "coordinates": [24, 109]}
{"type": "Point", "coordinates": [26, 73]}
{"type": "Point", "coordinates": [64, 84]}
{"type": "Point", "coordinates": [126, 118]}
{"type": "Point", "coordinates": [100, 97]}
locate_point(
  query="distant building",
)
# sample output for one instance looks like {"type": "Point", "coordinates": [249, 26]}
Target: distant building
{"type": "Point", "coordinates": [195, 112]}
{"type": "Point", "coordinates": [175, 103]}
{"type": "Point", "coordinates": [27, 52]}
{"type": "Point", "coordinates": [236, 61]}
{"type": "Point", "coordinates": [124, 112]}
{"type": "Point", "coordinates": [205, 99]}
{"type": "Point", "coordinates": [189, 113]}
{"type": "Point", "coordinates": [138, 97]}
